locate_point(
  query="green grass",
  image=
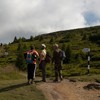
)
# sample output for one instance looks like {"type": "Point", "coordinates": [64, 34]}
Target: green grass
{"type": "Point", "coordinates": [13, 86]}
{"type": "Point", "coordinates": [19, 90]}
{"type": "Point", "coordinates": [10, 76]}
{"type": "Point", "coordinates": [10, 73]}
{"type": "Point", "coordinates": [86, 78]}
{"type": "Point", "coordinates": [13, 83]}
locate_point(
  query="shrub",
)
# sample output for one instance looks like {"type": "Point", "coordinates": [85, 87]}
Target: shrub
{"type": "Point", "coordinates": [92, 64]}
{"type": "Point", "coordinates": [95, 58]}
{"type": "Point", "coordinates": [20, 61]}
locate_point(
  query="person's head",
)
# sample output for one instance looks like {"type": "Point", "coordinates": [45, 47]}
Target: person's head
{"type": "Point", "coordinates": [55, 46]}
{"type": "Point", "coordinates": [32, 47]}
{"type": "Point", "coordinates": [43, 46]}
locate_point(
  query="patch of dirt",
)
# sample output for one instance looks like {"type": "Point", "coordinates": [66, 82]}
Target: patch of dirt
{"type": "Point", "coordinates": [67, 90]}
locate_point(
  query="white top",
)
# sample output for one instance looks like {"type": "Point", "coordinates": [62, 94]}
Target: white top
{"type": "Point", "coordinates": [42, 55]}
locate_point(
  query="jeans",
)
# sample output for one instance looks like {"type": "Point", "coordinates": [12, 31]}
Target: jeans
{"type": "Point", "coordinates": [43, 69]}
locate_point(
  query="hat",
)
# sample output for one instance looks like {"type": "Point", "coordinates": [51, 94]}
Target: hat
{"type": "Point", "coordinates": [56, 45]}
{"type": "Point", "coordinates": [43, 45]}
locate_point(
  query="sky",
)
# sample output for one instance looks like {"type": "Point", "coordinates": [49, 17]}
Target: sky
{"type": "Point", "coordinates": [25, 18]}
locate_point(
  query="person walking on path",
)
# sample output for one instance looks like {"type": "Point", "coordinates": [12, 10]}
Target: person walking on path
{"type": "Point", "coordinates": [31, 56]}
{"type": "Point", "coordinates": [57, 62]}
{"type": "Point", "coordinates": [42, 64]}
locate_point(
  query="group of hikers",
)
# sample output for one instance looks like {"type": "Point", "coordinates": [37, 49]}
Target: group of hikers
{"type": "Point", "coordinates": [31, 57]}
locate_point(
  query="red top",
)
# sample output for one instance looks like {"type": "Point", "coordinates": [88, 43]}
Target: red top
{"type": "Point", "coordinates": [34, 52]}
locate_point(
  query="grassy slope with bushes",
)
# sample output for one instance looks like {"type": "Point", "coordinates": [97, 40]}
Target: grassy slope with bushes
{"type": "Point", "coordinates": [13, 84]}
{"type": "Point", "coordinates": [71, 41]}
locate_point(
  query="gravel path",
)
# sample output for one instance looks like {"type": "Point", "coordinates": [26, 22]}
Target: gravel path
{"type": "Point", "coordinates": [66, 90]}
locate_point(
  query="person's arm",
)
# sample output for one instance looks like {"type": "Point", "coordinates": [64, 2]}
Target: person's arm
{"type": "Point", "coordinates": [37, 54]}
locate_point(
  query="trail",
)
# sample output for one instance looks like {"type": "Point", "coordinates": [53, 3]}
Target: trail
{"type": "Point", "coordinates": [66, 90]}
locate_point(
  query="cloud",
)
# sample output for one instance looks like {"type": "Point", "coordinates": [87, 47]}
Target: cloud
{"type": "Point", "coordinates": [32, 17]}
{"type": "Point", "coordinates": [92, 14]}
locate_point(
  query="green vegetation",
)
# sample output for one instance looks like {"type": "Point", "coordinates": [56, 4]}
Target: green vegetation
{"type": "Point", "coordinates": [19, 90]}
{"type": "Point", "coordinates": [85, 78]}
{"type": "Point", "coordinates": [13, 86]}
{"type": "Point", "coordinates": [13, 83]}
{"type": "Point", "coordinates": [20, 61]}
{"type": "Point", "coordinates": [10, 73]}
{"type": "Point", "coordinates": [71, 41]}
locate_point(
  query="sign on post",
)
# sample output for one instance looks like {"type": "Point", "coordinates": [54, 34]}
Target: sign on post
{"type": "Point", "coordinates": [86, 50]}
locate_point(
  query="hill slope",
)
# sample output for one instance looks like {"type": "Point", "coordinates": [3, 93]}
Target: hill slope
{"type": "Point", "coordinates": [73, 40]}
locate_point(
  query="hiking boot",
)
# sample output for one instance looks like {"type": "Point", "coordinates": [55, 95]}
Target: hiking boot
{"type": "Point", "coordinates": [43, 80]}
{"type": "Point", "coordinates": [61, 79]}
{"type": "Point", "coordinates": [55, 80]}
{"type": "Point", "coordinates": [32, 81]}
{"type": "Point", "coordinates": [28, 83]}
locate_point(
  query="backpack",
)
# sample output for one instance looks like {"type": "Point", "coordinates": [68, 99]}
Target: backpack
{"type": "Point", "coordinates": [48, 58]}
{"type": "Point", "coordinates": [62, 55]}
{"type": "Point", "coordinates": [30, 57]}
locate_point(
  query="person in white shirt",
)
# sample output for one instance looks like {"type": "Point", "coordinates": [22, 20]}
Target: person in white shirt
{"type": "Point", "coordinates": [42, 65]}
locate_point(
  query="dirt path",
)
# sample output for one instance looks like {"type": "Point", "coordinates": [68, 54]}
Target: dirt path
{"type": "Point", "coordinates": [66, 90]}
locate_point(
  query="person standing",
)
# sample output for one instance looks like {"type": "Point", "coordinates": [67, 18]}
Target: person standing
{"type": "Point", "coordinates": [31, 56]}
{"type": "Point", "coordinates": [57, 62]}
{"type": "Point", "coordinates": [42, 64]}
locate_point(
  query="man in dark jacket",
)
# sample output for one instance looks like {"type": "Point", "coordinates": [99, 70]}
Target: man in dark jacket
{"type": "Point", "coordinates": [57, 61]}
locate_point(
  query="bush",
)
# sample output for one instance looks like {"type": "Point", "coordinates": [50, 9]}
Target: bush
{"type": "Point", "coordinates": [20, 61]}
{"type": "Point", "coordinates": [63, 41]}
{"type": "Point", "coordinates": [95, 58]}
{"type": "Point", "coordinates": [92, 64]}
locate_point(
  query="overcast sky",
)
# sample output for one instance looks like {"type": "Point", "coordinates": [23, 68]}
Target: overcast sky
{"type": "Point", "coordinates": [23, 18]}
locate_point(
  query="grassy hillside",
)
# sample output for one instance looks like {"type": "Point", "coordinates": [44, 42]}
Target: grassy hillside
{"type": "Point", "coordinates": [75, 40]}
{"type": "Point", "coordinates": [13, 86]}
{"type": "Point", "coordinates": [12, 81]}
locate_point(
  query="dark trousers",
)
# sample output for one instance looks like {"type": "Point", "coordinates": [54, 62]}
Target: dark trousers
{"type": "Point", "coordinates": [31, 71]}
{"type": "Point", "coordinates": [58, 71]}
{"type": "Point", "coordinates": [43, 69]}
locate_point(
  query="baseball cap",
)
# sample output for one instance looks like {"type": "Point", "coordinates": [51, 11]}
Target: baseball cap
{"type": "Point", "coordinates": [56, 45]}
{"type": "Point", "coordinates": [43, 45]}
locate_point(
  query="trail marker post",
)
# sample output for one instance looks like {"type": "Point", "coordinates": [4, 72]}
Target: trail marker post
{"type": "Point", "coordinates": [88, 51]}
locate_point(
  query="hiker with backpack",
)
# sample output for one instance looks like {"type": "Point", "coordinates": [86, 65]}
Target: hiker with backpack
{"type": "Point", "coordinates": [42, 64]}
{"type": "Point", "coordinates": [57, 60]}
{"type": "Point", "coordinates": [31, 57]}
